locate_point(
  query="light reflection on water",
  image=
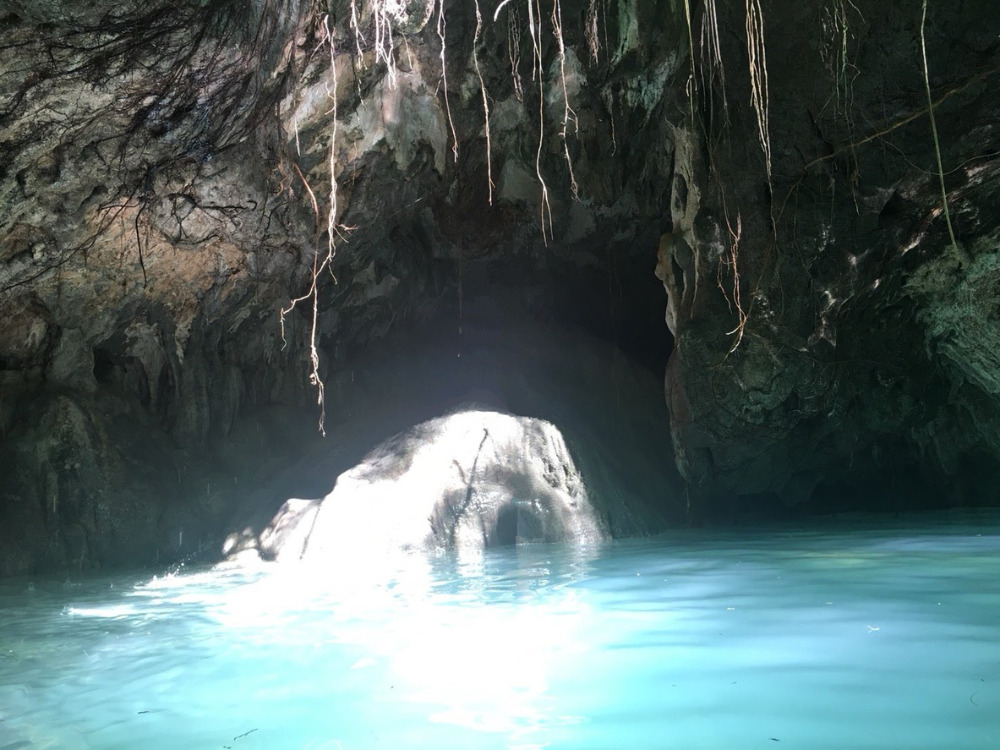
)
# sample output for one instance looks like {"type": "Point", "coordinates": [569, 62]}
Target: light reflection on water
{"type": "Point", "coordinates": [847, 639]}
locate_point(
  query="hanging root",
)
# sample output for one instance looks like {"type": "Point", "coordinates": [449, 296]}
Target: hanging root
{"type": "Point", "coordinates": [568, 114]}
{"type": "Point", "coordinates": [534, 28]}
{"type": "Point", "coordinates": [314, 377]}
{"type": "Point", "coordinates": [758, 78]}
{"type": "Point", "coordinates": [734, 299]}
{"type": "Point", "coordinates": [711, 54]}
{"type": "Point", "coordinates": [321, 262]}
{"type": "Point", "coordinates": [590, 32]}
{"type": "Point", "coordinates": [835, 52]}
{"type": "Point", "coordinates": [309, 190]}
{"type": "Point", "coordinates": [486, 104]}
{"type": "Point", "coordinates": [333, 229]}
{"type": "Point", "coordinates": [963, 254]}
{"type": "Point", "coordinates": [514, 48]}
{"type": "Point", "coordinates": [441, 29]}
{"type": "Point", "coordinates": [356, 26]}
{"type": "Point", "coordinates": [841, 62]}
{"type": "Point", "coordinates": [691, 87]}
{"type": "Point", "coordinates": [384, 43]}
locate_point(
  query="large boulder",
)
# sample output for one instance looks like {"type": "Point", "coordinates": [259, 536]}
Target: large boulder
{"type": "Point", "coordinates": [469, 480]}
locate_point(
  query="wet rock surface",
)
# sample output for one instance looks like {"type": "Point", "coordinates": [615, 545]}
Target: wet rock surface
{"type": "Point", "coordinates": [468, 481]}
{"type": "Point", "coordinates": [822, 373]}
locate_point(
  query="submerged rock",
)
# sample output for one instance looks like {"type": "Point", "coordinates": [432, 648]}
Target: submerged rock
{"type": "Point", "coordinates": [469, 480]}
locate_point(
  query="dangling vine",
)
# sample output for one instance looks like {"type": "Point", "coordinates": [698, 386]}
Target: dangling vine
{"type": "Point", "coordinates": [568, 114]}
{"type": "Point", "coordinates": [590, 32]}
{"type": "Point", "coordinates": [441, 30]}
{"type": "Point", "coordinates": [937, 143]}
{"type": "Point", "coordinates": [486, 104]}
{"type": "Point", "coordinates": [382, 15]}
{"type": "Point", "coordinates": [319, 265]}
{"type": "Point", "coordinates": [735, 300]}
{"type": "Point", "coordinates": [513, 47]}
{"type": "Point", "coordinates": [711, 55]}
{"type": "Point", "coordinates": [757, 54]}
{"type": "Point", "coordinates": [692, 82]}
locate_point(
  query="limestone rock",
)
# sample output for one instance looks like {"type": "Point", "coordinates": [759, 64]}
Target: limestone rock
{"type": "Point", "coordinates": [466, 481]}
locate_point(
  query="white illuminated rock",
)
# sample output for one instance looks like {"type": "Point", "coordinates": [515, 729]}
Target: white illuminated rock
{"type": "Point", "coordinates": [469, 480]}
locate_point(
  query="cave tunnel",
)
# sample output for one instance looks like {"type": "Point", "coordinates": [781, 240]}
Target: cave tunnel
{"type": "Point", "coordinates": [508, 373]}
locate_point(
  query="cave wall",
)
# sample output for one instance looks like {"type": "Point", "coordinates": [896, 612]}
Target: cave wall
{"type": "Point", "coordinates": [832, 343]}
{"type": "Point", "coordinates": [166, 191]}
{"type": "Point", "coordinates": [165, 194]}
{"type": "Point", "coordinates": [137, 237]}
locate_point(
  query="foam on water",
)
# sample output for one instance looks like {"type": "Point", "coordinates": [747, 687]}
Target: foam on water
{"type": "Point", "coordinates": [844, 638]}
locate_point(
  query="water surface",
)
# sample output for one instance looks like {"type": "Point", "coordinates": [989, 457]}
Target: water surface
{"type": "Point", "coordinates": [843, 637]}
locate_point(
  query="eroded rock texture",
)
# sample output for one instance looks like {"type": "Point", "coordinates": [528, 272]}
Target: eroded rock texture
{"type": "Point", "coordinates": [848, 363]}
{"type": "Point", "coordinates": [166, 190]}
{"type": "Point", "coordinates": [468, 481]}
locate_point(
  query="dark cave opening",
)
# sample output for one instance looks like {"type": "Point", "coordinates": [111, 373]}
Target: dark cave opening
{"type": "Point", "coordinates": [496, 239]}
{"type": "Point", "coordinates": [590, 373]}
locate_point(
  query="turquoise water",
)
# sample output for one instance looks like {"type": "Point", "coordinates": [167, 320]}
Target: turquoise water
{"type": "Point", "coordinates": [845, 638]}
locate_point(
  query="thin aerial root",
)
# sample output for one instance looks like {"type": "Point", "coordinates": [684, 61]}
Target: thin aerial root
{"type": "Point", "coordinates": [314, 378]}
{"type": "Point", "coordinates": [312, 195]}
{"type": "Point", "coordinates": [758, 77]}
{"type": "Point", "coordinates": [384, 43]}
{"type": "Point", "coordinates": [441, 29]}
{"type": "Point", "coordinates": [839, 61]}
{"type": "Point", "coordinates": [568, 114]}
{"type": "Point", "coordinates": [514, 52]}
{"type": "Point", "coordinates": [536, 70]}
{"type": "Point", "coordinates": [496, 13]}
{"type": "Point", "coordinates": [355, 25]}
{"type": "Point", "coordinates": [733, 263]}
{"type": "Point", "coordinates": [333, 231]}
{"type": "Point", "coordinates": [711, 50]}
{"type": "Point", "coordinates": [486, 104]}
{"type": "Point", "coordinates": [331, 216]}
{"type": "Point", "coordinates": [962, 253]}
{"type": "Point", "coordinates": [590, 32]}
{"type": "Point", "coordinates": [692, 83]}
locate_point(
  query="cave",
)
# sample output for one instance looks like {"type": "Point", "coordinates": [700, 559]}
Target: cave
{"type": "Point", "coordinates": [398, 285]}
